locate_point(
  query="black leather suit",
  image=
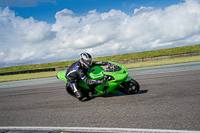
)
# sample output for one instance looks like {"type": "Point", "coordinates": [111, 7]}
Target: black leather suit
{"type": "Point", "coordinates": [77, 72]}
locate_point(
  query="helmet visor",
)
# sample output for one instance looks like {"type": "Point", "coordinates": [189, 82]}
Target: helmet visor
{"type": "Point", "coordinates": [88, 62]}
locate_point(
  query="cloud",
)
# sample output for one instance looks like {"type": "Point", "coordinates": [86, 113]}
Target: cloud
{"type": "Point", "coordinates": [22, 39]}
{"type": "Point", "coordinates": [109, 33]}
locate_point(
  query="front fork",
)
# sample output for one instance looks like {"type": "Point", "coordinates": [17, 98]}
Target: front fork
{"type": "Point", "coordinates": [123, 87]}
{"type": "Point", "coordinates": [127, 79]}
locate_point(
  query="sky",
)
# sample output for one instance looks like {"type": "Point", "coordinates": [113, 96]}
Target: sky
{"type": "Point", "coordinates": [42, 31]}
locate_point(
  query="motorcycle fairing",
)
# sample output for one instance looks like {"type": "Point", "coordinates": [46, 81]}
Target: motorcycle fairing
{"type": "Point", "coordinates": [117, 71]}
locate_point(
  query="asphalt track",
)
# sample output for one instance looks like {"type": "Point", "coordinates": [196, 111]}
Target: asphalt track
{"type": "Point", "coordinates": [169, 99]}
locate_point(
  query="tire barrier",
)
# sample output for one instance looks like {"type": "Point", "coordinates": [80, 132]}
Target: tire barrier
{"type": "Point", "coordinates": [28, 71]}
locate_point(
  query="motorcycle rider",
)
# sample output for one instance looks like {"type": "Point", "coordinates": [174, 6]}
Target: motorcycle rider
{"type": "Point", "coordinates": [78, 71]}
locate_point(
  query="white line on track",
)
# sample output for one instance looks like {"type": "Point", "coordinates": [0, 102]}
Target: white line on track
{"type": "Point", "coordinates": [96, 129]}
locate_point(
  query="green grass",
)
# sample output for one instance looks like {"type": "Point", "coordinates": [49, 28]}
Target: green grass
{"type": "Point", "coordinates": [27, 76]}
{"type": "Point", "coordinates": [131, 65]}
{"type": "Point", "coordinates": [163, 62]}
{"type": "Point", "coordinates": [154, 53]}
{"type": "Point", "coordinates": [170, 51]}
{"type": "Point", "coordinates": [36, 66]}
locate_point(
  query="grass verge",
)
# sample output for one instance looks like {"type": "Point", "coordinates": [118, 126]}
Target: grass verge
{"type": "Point", "coordinates": [163, 62]}
{"type": "Point", "coordinates": [154, 53]}
{"type": "Point", "coordinates": [27, 76]}
{"type": "Point", "coordinates": [131, 65]}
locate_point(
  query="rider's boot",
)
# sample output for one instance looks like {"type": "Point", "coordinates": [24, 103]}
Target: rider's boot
{"type": "Point", "coordinates": [76, 91]}
{"type": "Point", "coordinates": [89, 95]}
{"type": "Point", "coordinates": [79, 95]}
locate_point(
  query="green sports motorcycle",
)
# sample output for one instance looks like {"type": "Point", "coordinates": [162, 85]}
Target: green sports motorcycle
{"type": "Point", "coordinates": [116, 76]}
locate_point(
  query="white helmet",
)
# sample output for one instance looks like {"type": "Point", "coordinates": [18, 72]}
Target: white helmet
{"type": "Point", "coordinates": [86, 59]}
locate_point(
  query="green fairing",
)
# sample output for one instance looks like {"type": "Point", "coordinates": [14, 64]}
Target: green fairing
{"type": "Point", "coordinates": [96, 73]}
{"type": "Point", "coordinates": [61, 76]}
{"type": "Point", "coordinates": [118, 72]}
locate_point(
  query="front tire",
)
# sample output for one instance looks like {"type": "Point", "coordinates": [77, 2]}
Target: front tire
{"type": "Point", "coordinates": [134, 87]}
{"type": "Point", "coordinates": [131, 87]}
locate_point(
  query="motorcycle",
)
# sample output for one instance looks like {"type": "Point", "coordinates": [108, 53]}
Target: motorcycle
{"type": "Point", "coordinates": [117, 80]}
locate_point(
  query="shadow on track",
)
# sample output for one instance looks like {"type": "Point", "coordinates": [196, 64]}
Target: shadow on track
{"type": "Point", "coordinates": [114, 95]}
{"type": "Point", "coordinates": [142, 91]}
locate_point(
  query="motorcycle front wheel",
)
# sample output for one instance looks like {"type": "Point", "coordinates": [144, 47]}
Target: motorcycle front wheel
{"type": "Point", "coordinates": [134, 87]}
{"type": "Point", "coordinates": [131, 87]}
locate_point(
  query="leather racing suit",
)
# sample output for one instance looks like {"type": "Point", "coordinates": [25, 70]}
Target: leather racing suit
{"type": "Point", "coordinates": [78, 72]}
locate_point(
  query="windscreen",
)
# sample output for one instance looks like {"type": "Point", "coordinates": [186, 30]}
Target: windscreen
{"type": "Point", "coordinates": [112, 68]}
